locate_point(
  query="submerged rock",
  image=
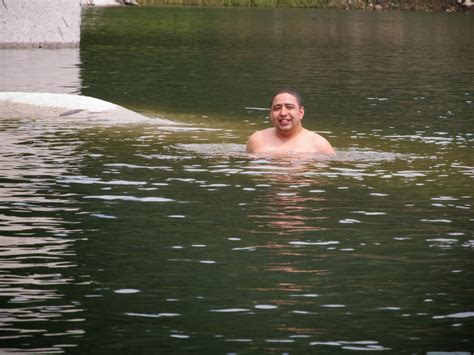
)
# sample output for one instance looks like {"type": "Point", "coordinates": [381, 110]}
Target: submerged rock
{"type": "Point", "coordinates": [78, 107]}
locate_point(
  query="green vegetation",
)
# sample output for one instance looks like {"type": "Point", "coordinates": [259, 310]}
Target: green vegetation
{"type": "Point", "coordinates": [427, 5]}
{"type": "Point", "coordinates": [244, 3]}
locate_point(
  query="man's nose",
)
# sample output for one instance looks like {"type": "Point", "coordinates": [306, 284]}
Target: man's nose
{"type": "Point", "coordinates": [283, 111]}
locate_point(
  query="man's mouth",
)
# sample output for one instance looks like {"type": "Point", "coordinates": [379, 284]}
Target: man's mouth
{"type": "Point", "coordinates": [284, 122]}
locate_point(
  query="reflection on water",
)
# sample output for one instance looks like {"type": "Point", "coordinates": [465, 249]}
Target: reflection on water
{"type": "Point", "coordinates": [299, 246]}
{"type": "Point", "coordinates": [40, 70]}
{"type": "Point", "coordinates": [284, 209]}
{"type": "Point", "coordinates": [172, 239]}
{"type": "Point", "coordinates": [35, 247]}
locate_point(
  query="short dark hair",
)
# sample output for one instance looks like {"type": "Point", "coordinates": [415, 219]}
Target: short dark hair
{"type": "Point", "coordinates": [292, 92]}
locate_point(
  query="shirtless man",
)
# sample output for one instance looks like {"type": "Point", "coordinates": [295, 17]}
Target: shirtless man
{"type": "Point", "coordinates": [287, 135]}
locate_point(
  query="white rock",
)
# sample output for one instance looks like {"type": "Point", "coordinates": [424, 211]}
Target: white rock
{"type": "Point", "coordinates": [68, 106]}
{"type": "Point", "coordinates": [66, 101]}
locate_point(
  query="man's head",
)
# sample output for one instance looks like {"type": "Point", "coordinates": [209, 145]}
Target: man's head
{"type": "Point", "coordinates": [292, 92]}
{"type": "Point", "coordinates": [286, 112]}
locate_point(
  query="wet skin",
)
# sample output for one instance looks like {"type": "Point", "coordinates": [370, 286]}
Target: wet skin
{"type": "Point", "coordinates": [288, 134]}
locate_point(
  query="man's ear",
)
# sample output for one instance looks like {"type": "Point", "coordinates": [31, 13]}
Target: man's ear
{"type": "Point", "coordinates": [302, 111]}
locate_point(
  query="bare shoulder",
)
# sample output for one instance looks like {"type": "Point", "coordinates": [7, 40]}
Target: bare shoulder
{"type": "Point", "coordinates": [267, 132]}
{"type": "Point", "coordinates": [320, 143]}
{"type": "Point", "coordinates": [254, 142]}
{"type": "Point", "coordinates": [257, 140]}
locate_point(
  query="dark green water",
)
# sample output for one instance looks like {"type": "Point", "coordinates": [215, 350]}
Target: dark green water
{"type": "Point", "coordinates": [170, 240]}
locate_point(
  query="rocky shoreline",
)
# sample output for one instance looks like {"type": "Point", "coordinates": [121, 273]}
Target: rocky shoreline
{"type": "Point", "coordinates": [108, 2]}
{"type": "Point", "coordinates": [376, 5]}
{"type": "Point", "coordinates": [387, 5]}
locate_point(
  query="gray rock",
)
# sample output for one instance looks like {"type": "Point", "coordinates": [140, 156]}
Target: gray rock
{"type": "Point", "coordinates": [40, 24]}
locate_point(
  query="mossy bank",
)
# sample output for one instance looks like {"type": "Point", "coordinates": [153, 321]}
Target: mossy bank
{"type": "Point", "coordinates": [420, 5]}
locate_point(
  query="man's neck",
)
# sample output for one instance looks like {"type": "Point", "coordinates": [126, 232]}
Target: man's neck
{"type": "Point", "coordinates": [288, 135]}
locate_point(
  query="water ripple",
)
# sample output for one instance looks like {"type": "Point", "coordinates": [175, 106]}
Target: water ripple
{"type": "Point", "coordinates": [129, 198]}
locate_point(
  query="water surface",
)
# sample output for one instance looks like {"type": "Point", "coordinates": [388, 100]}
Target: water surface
{"type": "Point", "coordinates": [142, 238]}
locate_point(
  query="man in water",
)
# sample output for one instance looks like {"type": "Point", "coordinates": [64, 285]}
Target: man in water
{"type": "Point", "coordinates": [287, 135]}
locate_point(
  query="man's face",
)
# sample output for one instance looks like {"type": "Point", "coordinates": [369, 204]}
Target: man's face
{"type": "Point", "coordinates": [286, 114]}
